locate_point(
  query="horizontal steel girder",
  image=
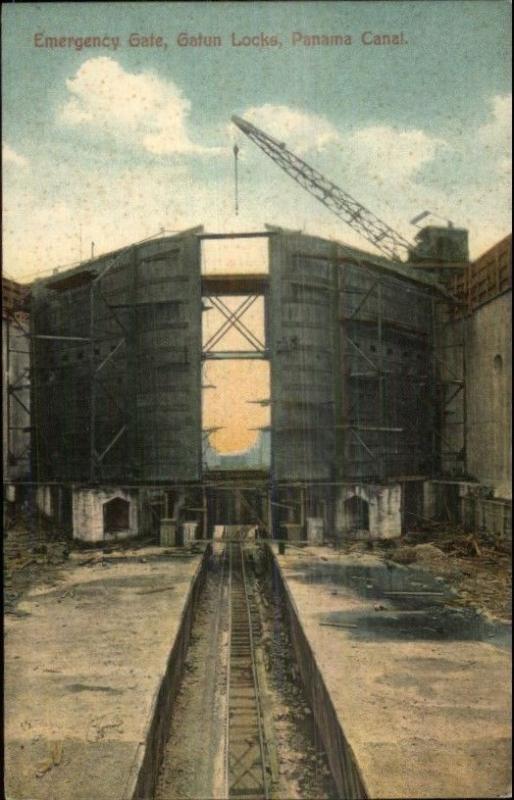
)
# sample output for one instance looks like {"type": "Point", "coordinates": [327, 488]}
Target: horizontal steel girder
{"type": "Point", "coordinates": [236, 355]}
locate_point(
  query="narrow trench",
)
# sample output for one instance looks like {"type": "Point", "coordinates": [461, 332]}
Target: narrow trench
{"type": "Point", "coordinates": [195, 758]}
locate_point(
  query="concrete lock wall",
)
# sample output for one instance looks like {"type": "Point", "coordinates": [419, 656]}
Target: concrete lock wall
{"type": "Point", "coordinates": [476, 422]}
{"type": "Point", "coordinates": [384, 511]}
{"type": "Point", "coordinates": [476, 466]}
{"type": "Point", "coordinates": [142, 780]}
{"type": "Point", "coordinates": [88, 513]}
{"type": "Point", "coordinates": [489, 395]}
{"type": "Point", "coordinates": [343, 764]}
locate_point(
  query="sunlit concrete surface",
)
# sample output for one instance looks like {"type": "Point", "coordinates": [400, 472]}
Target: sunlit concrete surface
{"type": "Point", "coordinates": [421, 689]}
{"type": "Point", "coordinates": [84, 659]}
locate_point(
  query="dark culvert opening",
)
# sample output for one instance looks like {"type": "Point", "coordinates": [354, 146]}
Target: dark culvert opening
{"type": "Point", "coordinates": [116, 515]}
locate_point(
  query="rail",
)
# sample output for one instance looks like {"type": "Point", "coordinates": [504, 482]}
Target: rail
{"type": "Point", "coordinates": [248, 760]}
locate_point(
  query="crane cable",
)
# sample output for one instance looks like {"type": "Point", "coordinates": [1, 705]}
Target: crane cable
{"type": "Point", "coordinates": [236, 179]}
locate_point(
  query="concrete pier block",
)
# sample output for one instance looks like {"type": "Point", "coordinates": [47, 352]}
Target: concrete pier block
{"type": "Point", "coordinates": [168, 533]}
{"type": "Point", "coordinates": [104, 514]}
{"type": "Point", "coordinates": [44, 500]}
{"type": "Point", "coordinates": [369, 511]}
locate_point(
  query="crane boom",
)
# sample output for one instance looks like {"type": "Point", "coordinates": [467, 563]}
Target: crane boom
{"type": "Point", "coordinates": [357, 216]}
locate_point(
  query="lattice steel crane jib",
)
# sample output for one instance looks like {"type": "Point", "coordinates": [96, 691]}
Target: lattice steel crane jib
{"type": "Point", "coordinates": [342, 204]}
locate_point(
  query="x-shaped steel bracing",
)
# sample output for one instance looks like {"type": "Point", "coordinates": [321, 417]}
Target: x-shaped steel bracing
{"type": "Point", "coordinates": [233, 320]}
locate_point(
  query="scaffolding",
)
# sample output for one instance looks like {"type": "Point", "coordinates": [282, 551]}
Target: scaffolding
{"type": "Point", "coordinates": [17, 413]}
{"type": "Point", "coordinates": [118, 332]}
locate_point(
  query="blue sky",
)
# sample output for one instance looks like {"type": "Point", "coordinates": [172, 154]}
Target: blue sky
{"type": "Point", "coordinates": [110, 145]}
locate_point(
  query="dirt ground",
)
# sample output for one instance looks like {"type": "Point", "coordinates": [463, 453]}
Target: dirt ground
{"type": "Point", "coordinates": [35, 551]}
{"type": "Point", "coordinates": [478, 571]}
{"type": "Point", "coordinates": [32, 552]}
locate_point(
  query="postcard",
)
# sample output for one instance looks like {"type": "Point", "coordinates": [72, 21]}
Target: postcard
{"type": "Point", "coordinates": [256, 314]}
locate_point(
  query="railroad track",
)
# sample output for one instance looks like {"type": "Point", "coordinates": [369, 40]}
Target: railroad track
{"type": "Point", "coordinates": [248, 767]}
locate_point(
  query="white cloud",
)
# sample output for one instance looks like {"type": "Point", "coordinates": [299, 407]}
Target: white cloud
{"type": "Point", "coordinates": [505, 166]}
{"type": "Point", "coordinates": [394, 172]}
{"type": "Point", "coordinates": [387, 153]}
{"type": "Point", "coordinates": [135, 107]}
{"type": "Point", "coordinates": [300, 130]}
{"type": "Point", "coordinates": [397, 172]}
{"type": "Point", "coordinates": [497, 131]}
{"type": "Point", "coordinates": [377, 151]}
{"type": "Point", "coordinates": [110, 207]}
{"type": "Point", "coordinates": [10, 156]}
{"type": "Point", "coordinates": [496, 135]}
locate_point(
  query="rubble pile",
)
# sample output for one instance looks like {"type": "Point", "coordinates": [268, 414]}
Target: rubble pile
{"type": "Point", "coordinates": [477, 565]}
{"type": "Point", "coordinates": [29, 550]}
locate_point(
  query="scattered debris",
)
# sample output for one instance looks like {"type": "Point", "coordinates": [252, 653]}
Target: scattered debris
{"type": "Point", "coordinates": [476, 566]}
{"type": "Point", "coordinates": [30, 548]}
{"type": "Point", "coordinates": [21, 565]}
{"type": "Point", "coordinates": [90, 560]}
{"type": "Point", "coordinates": [99, 727]}
{"type": "Point", "coordinates": [43, 767]}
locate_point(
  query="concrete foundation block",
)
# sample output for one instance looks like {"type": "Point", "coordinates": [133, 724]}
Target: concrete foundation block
{"type": "Point", "coordinates": [315, 530]}
{"type": "Point", "coordinates": [44, 500]}
{"type": "Point", "coordinates": [104, 514]}
{"type": "Point", "coordinates": [189, 532]}
{"type": "Point", "coordinates": [10, 493]}
{"type": "Point", "coordinates": [293, 531]}
{"type": "Point", "coordinates": [369, 511]}
{"type": "Point", "coordinates": [168, 532]}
